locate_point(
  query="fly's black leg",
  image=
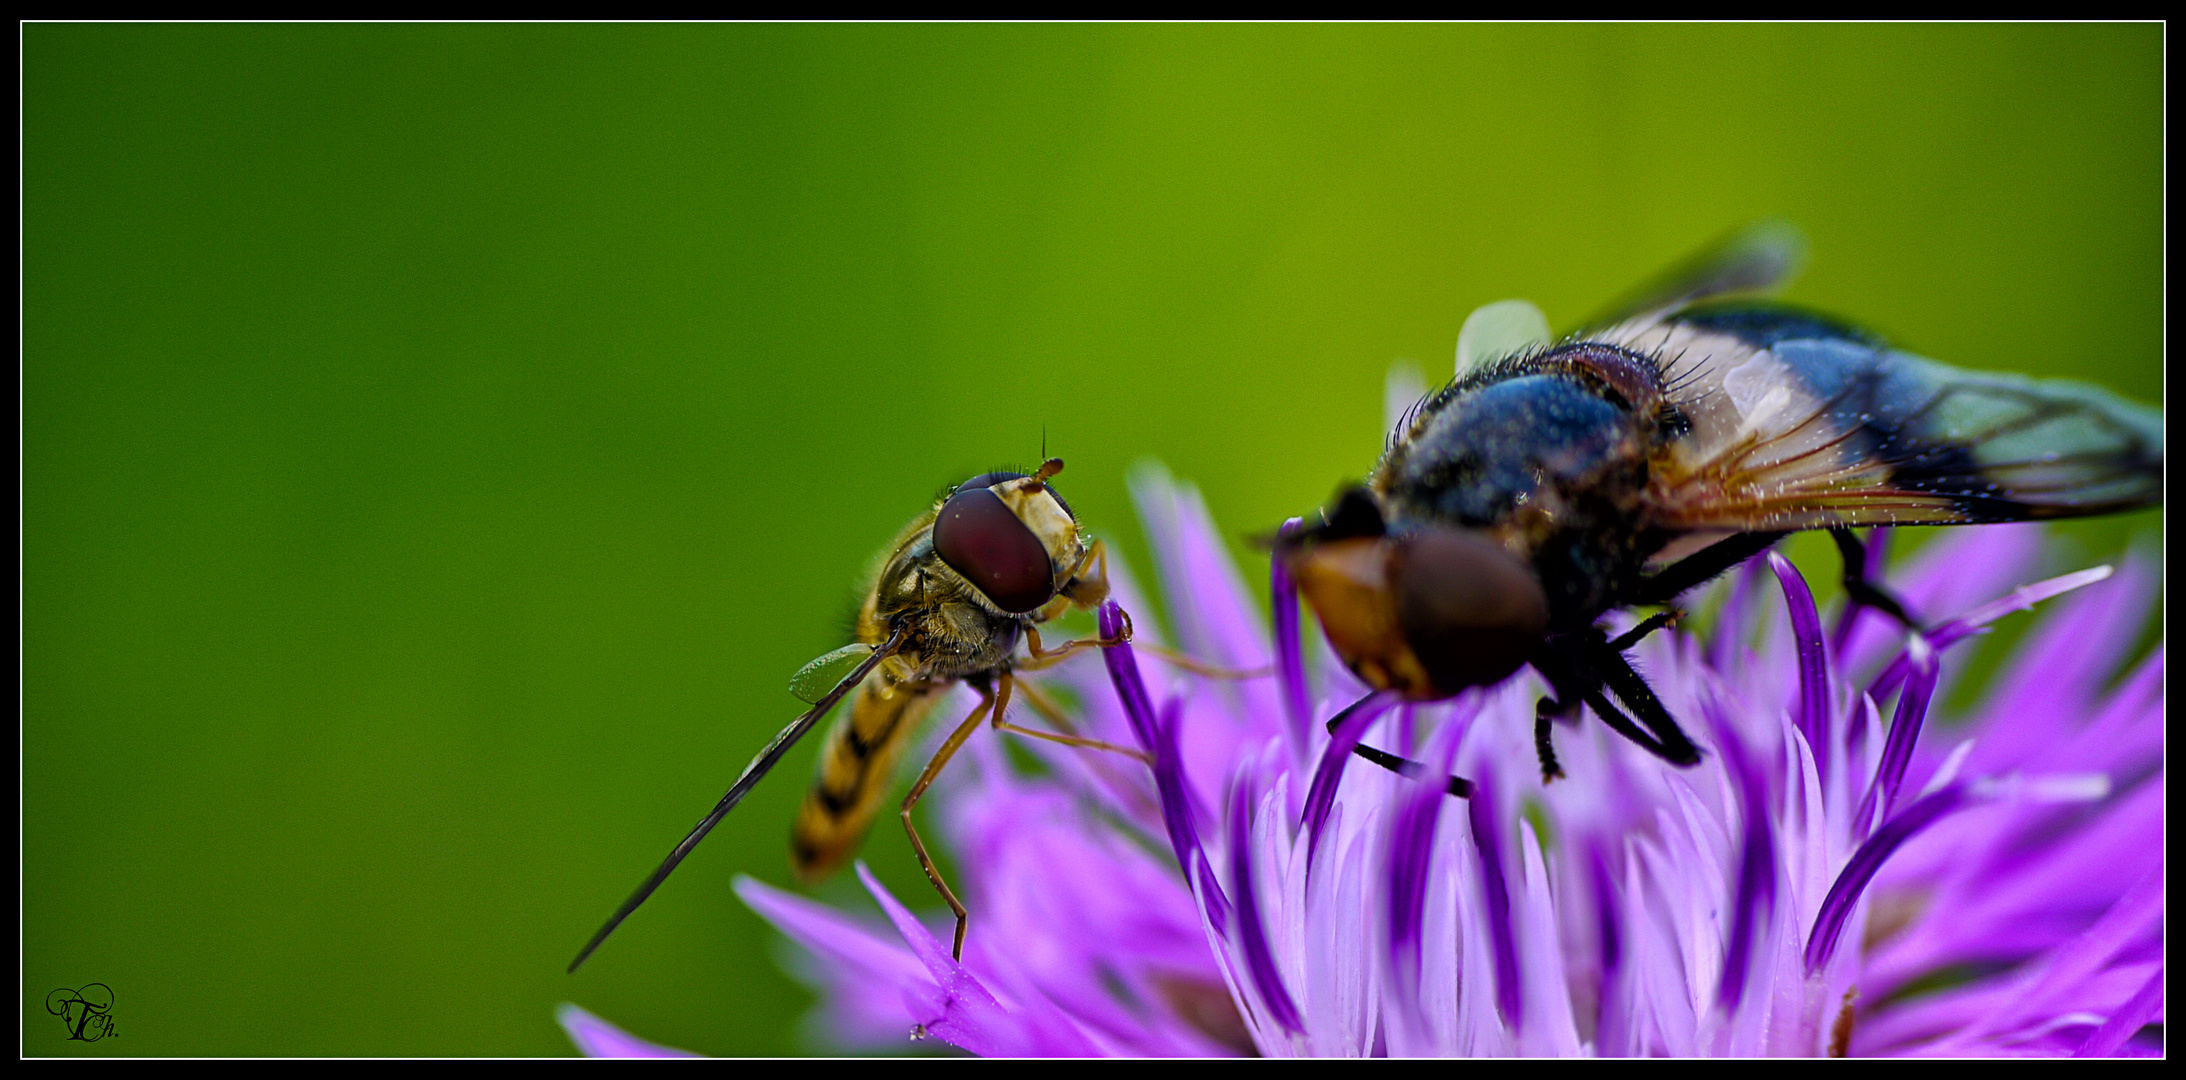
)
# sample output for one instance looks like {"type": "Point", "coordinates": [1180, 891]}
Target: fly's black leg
{"type": "Point", "coordinates": [1858, 590]}
{"type": "Point", "coordinates": [1624, 726]}
{"type": "Point", "coordinates": [1561, 661]}
{"type": "Point", "coordinates": [1665, 585]}
{"type": "Point", "coordinates": [1669, 743]}
{"type": "Point", "coordinates": [1406, 767]}
{"type": "Point", "coordinates": [1403, 766]}
{"type": "Point", "coordinates": [1545, 711]}
{"type": "Point", "coordinates": [1653, 623]}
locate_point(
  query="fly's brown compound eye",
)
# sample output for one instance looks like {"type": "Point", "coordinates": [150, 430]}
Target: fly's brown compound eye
{"type": "Point", "coordinates": [980, 538]}
{"type": "Point", "coordinates": [1472, 612]}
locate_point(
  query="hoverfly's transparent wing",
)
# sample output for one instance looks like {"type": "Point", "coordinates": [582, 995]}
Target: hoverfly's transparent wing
{"type": "Point", "coordinates": [1498, 330]}
{"type": "Point", "coordinates": [1793, 422]}
{"type": "Point", "coordinates": [1760, 257]}
{"type": "Point", "coordinates": [814, 680]}
{"type": "Point", "coordinates": [749, 779]}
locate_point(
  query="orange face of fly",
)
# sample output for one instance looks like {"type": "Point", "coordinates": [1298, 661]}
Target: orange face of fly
{"type": "Point", "coordinates": [1346, 583]}
{"type": "Point", "coordinates": [1425, 613]}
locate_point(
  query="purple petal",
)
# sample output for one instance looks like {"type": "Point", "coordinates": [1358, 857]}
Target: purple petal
{"type": "Point", "coordinates": [1290, 662]}
{"type": "Point", "coordinates": [1610, 1037]}
{"type": "Point", "coordinates": [1897, 749]}
{"type": "Point", "coordinates": [1123, 671]}
{"type": "Point", "coordinates": [2068, 656]}
{"type": "Point", "coordinates": [2007, 904]}
{"type": "Point", "coordinates": [1345, 731]}
{"type": "Point", "coordinates": [1733, 623]}
{"type": "Point", "coordinates": [1154, 737]}
{"type": "Point", "coordinates": [1217, 902]}
{"type": "Point", "coordinates": [1963, 567]}
{"type": "Point", "coordinates": [1951, 631]}
{"type": "Point", "coordinates": [2122, 1024]}
{"type": "Point", "coordinates": [1258, 960]}
{"type": "Point", "coordinates": [827, 932]}
{"type": "Point", "coordinates": [1806, 628]}
{"type": "Point", "coordinates": [1487, 832]}
{"type": "Point", "coordinates": [598, 1038]}
{"type": "Point", "coordinates": [2060, 980]}
{"type": "Point", "coordinates": [976, 1020]}
{"type": "Point", "coordinates": [1846, 890]}
{"type": "Point", "coordinates": [2124, 736]}
{"type": "Point", "coordinates": [864, 966]}
{"type": "Point", "coordinates": [2054, 679]}
{"type": "Point", "coordinates": [955, 1008]}
{"type": "Point", "coordinates": [1756, 895]}
{"type": "Point", "coordinates": [1215, 619]}
{"type": "Point", "coordinates": [2099, 970]}
{"type": "Point", "coordinates": [1411, 851]}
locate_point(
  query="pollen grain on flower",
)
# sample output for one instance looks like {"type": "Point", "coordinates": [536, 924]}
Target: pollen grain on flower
{"type": "Point", "coordinates": [1845, 871]}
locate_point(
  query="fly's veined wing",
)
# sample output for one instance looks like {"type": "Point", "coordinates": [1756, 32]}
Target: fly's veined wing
{"type": "Point", "coordinates": [1757, 258]}
{"type": "Point", "coordinates": [815, 679]}
{"type": "Point", "coordinates": [1796, 422]}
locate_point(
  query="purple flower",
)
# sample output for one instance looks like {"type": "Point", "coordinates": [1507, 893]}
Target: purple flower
{"type": "Point", "coordinates": [1846, 871]}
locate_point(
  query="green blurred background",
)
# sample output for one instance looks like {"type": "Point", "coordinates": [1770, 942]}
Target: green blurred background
{"type": "Point", "coordinates": [441, 442]}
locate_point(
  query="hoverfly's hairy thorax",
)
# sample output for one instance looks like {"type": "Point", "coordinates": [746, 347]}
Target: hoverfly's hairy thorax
{"type": "Point", "coordinates": [950, 628]}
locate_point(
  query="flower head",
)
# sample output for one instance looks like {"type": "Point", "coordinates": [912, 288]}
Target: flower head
{"type": "Point", "coordinates": [1843, 872]}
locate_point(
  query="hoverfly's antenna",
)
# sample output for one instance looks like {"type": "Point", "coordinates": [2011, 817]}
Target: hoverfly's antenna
{"type": "Point", "coordinates": [1048, 467]}
{"type": "Point", "coordinates": [752, 774]}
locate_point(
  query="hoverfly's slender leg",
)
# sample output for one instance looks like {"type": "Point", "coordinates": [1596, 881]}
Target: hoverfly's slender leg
{"type": "Point", "coordinates": [997, 702]}
{"type": "Point", "coordinates": [1073, 740]}
{"type": "Point", "coordinates": [1055, 716]}
{"type": "Point", "coordinates": [1047, 708]}
{"type": "Point", "coordinates": [1043, 657]}
{"type": "Point", "coordinates": [1402, 766]}
{"type": "Point", "coordinates": [1665, 585]}
{"type": "Point", "coordinates": [1177, 659]}
{"type": "Point", "coordinates": [1076, 593]}
{"type": "Point", "coordinates": [1859, 591]}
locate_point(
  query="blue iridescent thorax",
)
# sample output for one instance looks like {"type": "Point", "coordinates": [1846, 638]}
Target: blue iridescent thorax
{"type": "Point", "coordinates": [1484, 454]}
{"type": "Point", "coordinates": [1542, 461]}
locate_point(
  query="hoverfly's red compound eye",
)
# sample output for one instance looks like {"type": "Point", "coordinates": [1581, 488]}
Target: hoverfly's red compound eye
{"type": "Point", "coordinates": [981, 538]}
{"type": "Point", "coordinates": [1472, 612]}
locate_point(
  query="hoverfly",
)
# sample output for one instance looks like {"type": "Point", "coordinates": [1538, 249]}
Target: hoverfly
{"type": "Point", "coordinates": [957, 591]}
{"type": "Point", "coordinates": [1552, 482]}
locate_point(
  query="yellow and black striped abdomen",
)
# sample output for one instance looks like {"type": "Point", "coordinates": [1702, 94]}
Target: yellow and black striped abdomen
{"type": "Point", "coordinates": [856, 765]}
